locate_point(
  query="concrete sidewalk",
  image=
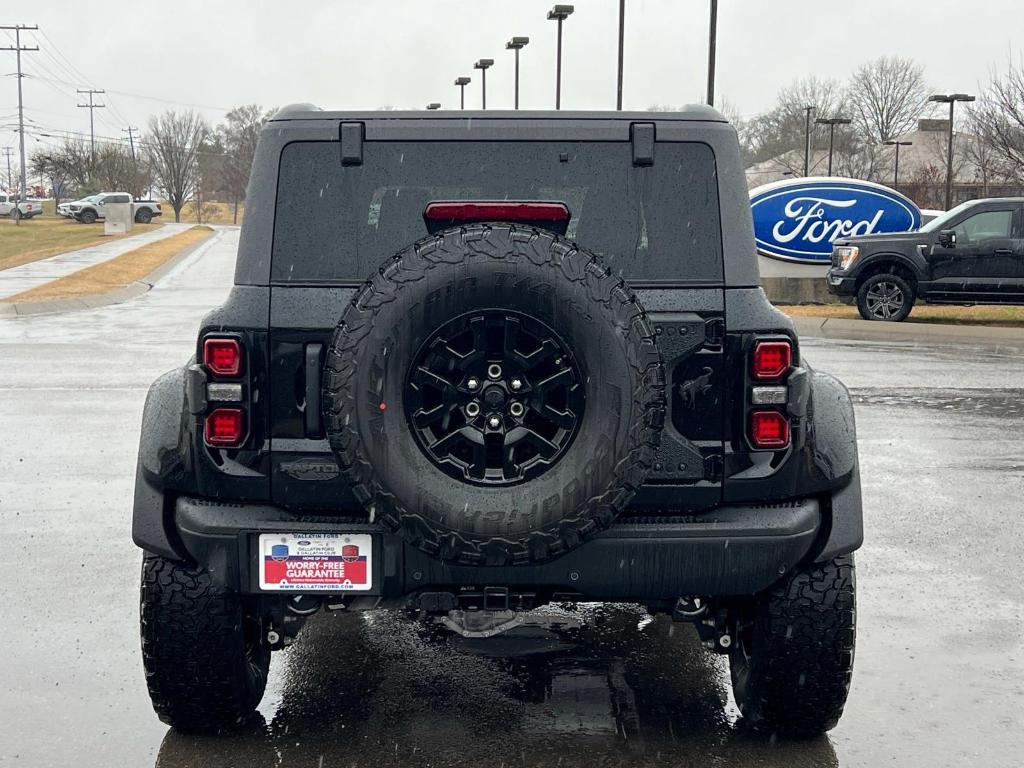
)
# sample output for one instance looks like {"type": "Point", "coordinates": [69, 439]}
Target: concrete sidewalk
{"type": "Point", "coordinates": [1006, 339]}
{"type": "Point", "coordinates": [28, 276]}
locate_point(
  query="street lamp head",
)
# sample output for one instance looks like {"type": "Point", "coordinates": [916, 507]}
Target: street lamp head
{"type": "Point", "coordinates": [895, 143]}
{"type": "Point", "coordinates": [560, 12]}
{"type": "Point", "coordinates": [833, 121]}
{"type": "Point", "coordinates": [434, 105]}
{"type": "Point", "coordinates": [483, 64]}
{"type": "Point", "coordinates": [962, 97]}
{"type": "Point", "coordinates": [517, 43]}
{"type": "Point", "coordinates": [462, 81]}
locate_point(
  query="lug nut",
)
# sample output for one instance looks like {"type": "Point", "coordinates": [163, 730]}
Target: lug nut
{"type": "Point", "coordinates": [494, 371]}
{"type": "Point", "coordinates": [473, 382]}
{"type": "Point", "coordinates": [493, 422]}
{"type": "Point", "coordinates": [516, 384]}
{"type": "Point", "coordinates": [472, 410]}
{"type": "Point", "coordinates": [516, 409]}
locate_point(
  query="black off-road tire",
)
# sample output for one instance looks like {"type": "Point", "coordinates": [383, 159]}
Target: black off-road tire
{"type": "Point", "coordinates": [87, 217]}
{"type": "Point", "coordinates": [793, 661]}
{"type": "Point", "coordinates": [494, 267]}
{"type": "Point", "coordinates": [206, 668]}
{"type": "Point", "coordinates": [143, 216]}
{"type": "Point", "coordinates": [867, 301]}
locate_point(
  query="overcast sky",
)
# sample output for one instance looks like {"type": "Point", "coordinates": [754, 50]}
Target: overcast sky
{"type": "Point", "coordinates": [212, 55]}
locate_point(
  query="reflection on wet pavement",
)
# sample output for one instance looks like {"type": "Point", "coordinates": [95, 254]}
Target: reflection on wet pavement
{"type": "Point", "coordinates": [383, 690]}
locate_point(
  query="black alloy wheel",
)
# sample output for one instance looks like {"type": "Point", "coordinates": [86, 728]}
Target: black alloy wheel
{"type": "Point", "coordinates": [494, 398]}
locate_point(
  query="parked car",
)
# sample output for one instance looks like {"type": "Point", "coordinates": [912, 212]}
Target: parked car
{"type": "Point", "coordinates": [972, 254]}
{"type": "Point", "coordinates": [91, 210]}
{"type": "Point", "coordinates": [460, 407]}
{"type": "Point", "coordinates": [10, 207]}
{"type": "Point", "coordinates": [64, 209]}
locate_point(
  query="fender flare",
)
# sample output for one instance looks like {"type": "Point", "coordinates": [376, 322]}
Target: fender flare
{"type": "Point", "coordinates": [834, 430]}
{"type": "Point", "coordinates": [162, 456]}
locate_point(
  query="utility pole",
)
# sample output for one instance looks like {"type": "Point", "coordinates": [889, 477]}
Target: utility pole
{"type": "Point", "coordinates": [10, 178]}
{"type": "Point", "coordinates": [131, 139]}
{"type": "Point", "coordinates": [18, 48]}
{"type": "Point", "coordinates": [712, 44]}
{"type": "Point", "coordinates": [622, 48]}
{"type": "Point", "coordinates": [92, 126]}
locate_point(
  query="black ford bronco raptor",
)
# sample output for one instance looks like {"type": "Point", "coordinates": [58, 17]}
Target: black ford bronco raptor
{"type": "Point", "coordinates": [476, 363]}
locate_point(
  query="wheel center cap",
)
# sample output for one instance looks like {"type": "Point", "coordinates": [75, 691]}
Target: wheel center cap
{"type": "Point", "coordinates": [494, 397]}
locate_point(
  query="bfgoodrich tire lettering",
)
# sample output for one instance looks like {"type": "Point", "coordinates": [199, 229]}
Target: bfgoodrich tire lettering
{"type": "Point", "coordinates": [793, 661]}
{"type": "Point", "coordinates": [494, 267]}
{"type": "Point", "coordinates": [206, 668]}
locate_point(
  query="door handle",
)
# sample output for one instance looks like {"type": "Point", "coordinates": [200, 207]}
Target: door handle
{"type": "Point", "coordinates": [1004, 252]}
{"type": "Point", "coordinates": [312, 370]}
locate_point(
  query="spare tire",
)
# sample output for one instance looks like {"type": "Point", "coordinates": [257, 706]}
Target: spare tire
{"type": "Point", "coordinates": [494, 394]}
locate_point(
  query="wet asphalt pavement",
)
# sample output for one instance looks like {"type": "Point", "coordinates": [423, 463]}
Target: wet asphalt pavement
{"type": "Point", "coordinates": [939, 677]}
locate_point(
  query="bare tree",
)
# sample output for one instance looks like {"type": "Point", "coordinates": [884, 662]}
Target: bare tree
{"type": "Point", "coordinates": [999, 119]}
{"type": "Point", "coordinates": [175, 141]}
{"type": "Point", "coordinates": [781, 132]}
{"type": "Point", "coordinates": [50, 166]}
{"type": "Point", "coordinates": [238, 137]}
{"type": "Point", "coordinates": [886, 97]}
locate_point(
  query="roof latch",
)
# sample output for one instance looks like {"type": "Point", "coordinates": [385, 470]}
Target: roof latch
{"type": "Point", "coordinates": [642, 136]}
{"type": "Point", "coordinates": [352, 143]}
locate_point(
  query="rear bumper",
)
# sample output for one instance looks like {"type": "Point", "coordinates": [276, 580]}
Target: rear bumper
{"type": "Point", "coordinates": [734, 550]}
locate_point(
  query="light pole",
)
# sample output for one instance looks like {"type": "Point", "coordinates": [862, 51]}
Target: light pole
{"type": "Point", "coordinates": [462, 82]}
{"type": "Point", "coordinates": [559, 13]}
{"type": "Point", "coordinates": [712, 42]}
{"type": "Point", "coordinates": [517, 44]}
{"type": "Point", "coordinates": [622, 45]}
{"type": "Point", "coordinates": [832, 122]}
{"type": "Point", "coordinates": [807, 140]}
{"type": "Point", "coordinates": [896, 168]}
{"type": "Point", "coordinates": [951, 99]}
{"type": "Point", "coordinates": [434, 105]}
{"type": "Point", "coordinates": [483, 65]}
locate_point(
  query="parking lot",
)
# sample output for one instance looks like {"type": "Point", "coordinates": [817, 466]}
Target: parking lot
{"type": "Point", "coordinates": [939, 679]}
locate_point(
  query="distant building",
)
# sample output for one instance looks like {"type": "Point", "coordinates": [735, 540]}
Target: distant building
{"type": "Point", "coordinates": [922, 168]}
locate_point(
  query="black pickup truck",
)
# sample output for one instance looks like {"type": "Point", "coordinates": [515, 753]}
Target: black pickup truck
{"type": "Point", "coordinates": [972, 254]}
{"type": "Point", "coordinates": [475, 363]}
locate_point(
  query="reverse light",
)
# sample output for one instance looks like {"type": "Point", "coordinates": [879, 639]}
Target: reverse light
{"type": "Point", "coordinates": [223, 428]}
{"type": "Point", "coordinates": [771, 359]}
{"type": "Point", "coordinates": [766, 395]}
{"type": "Point", "coordinates": [223, 357]}
{"type": "Point", "coordinates": [847, 255]}
{"type": "Point", "coordinates": [769, 430]}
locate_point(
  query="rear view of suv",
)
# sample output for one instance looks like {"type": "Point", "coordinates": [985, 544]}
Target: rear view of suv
{"type": "Point", "coordinates": [475, 363]}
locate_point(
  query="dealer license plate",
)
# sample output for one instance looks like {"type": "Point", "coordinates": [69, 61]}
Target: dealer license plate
{"type": "Point", "coordinates": [308, 562]}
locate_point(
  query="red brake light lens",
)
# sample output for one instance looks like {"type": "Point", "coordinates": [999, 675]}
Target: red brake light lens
{"type": "Point", "coordinates": [223, 357]}
{"type": "Point", "coordinates": [508, 210]}
{"type": "Point", "coordinates": [769, 429]}
{"type": "Point", "coordinates": [224, 427]}
{"type": "Point", "coordinates": [771, 359]}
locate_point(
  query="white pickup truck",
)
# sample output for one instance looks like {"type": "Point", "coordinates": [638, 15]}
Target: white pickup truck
{"type": "Point", "coordinates": [9, 206]}
{"type": "Point", "coordinates": [91, 209]}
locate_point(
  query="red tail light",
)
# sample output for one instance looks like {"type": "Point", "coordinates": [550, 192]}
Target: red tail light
{"type": "Point", "coordinates": [224, 428]}
{"type": "Point", "coordinates": [464, 212]}
{"type": "Point", "coordinates": [769, 429]}
{"type": "Point", "coordinates": [771, 359]}
{"type": "Point", "coordinates": [223, 357]}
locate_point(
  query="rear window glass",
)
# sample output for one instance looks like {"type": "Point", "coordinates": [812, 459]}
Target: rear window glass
{"type": "Point", "coordinates": [337, 224]}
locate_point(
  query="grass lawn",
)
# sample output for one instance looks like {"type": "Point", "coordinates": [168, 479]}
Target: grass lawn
{"type": "Point", "coordinates": [117, 272]}
{"type": "Point", "coordinates": [215, 213]}
{"type": "Point", "coordinates": [42, 237]}
{"type": "Point", "coordinates": [1012, 317]}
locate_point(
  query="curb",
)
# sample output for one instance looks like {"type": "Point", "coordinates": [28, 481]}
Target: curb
{"type": "Point", "coordinates": [92, 301]}
{"type": "Point", "coordinates": [920, 333]}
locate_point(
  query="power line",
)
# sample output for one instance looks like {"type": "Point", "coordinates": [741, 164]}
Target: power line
{"type": "Point", "coordinates": [92, 106]}
{"type": "Point", "coordinates": [18, 48]}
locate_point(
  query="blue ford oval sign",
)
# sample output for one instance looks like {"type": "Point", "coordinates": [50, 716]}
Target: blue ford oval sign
{"type": "Point", "coordinates": [799, 219]}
